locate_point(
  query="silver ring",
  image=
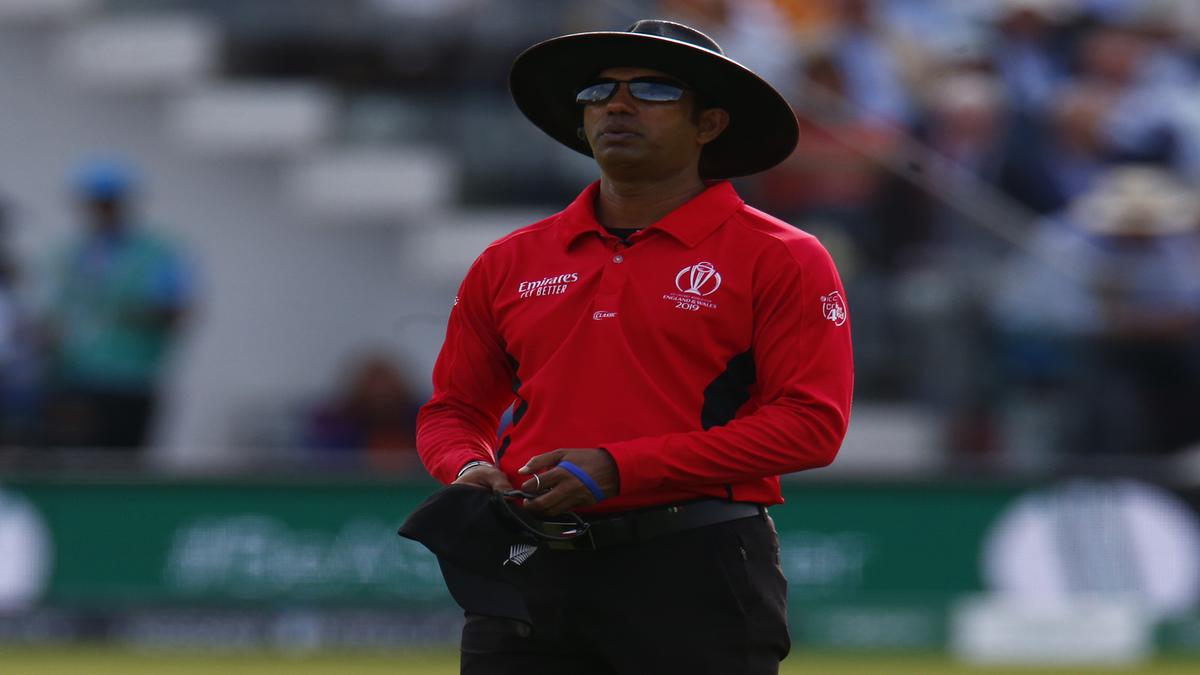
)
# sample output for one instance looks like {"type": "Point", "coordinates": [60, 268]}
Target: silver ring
{"type": "Point", "coordinates": [538, 484]}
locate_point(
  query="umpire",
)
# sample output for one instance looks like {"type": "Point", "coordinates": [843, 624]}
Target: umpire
{"type": "Point", "coordinates": [668, 352]}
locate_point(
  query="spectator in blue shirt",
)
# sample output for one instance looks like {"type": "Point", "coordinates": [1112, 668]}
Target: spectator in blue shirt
{"type": "Point", "coordinates": [120, 295]}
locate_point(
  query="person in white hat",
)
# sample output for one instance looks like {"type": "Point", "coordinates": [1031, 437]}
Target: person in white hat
{"type": "Point", "coordinates": [1111, 316]}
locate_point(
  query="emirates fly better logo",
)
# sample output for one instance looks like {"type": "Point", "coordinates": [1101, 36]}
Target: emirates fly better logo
{"type": "Point", "coordinates": [695, 284]}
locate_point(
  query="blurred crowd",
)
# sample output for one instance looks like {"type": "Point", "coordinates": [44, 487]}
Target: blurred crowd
{"type": "Point", "coordinates": [1009, 187]}
{"type": "Point", "coordinates": [1014, 192]}
{"type": "Point", "coordinates": [86, 339]}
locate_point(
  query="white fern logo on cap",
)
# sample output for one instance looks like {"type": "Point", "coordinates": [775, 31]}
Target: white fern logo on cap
{"type": "Point", "coordinates": [519, 553]}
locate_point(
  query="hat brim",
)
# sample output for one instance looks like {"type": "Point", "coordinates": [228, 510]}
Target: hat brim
{"type": "Point", "coordinates": [762, 131]}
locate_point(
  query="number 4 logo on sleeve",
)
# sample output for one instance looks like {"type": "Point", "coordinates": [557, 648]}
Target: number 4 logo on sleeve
{"type": "Point", "coordinates": [833, 308]}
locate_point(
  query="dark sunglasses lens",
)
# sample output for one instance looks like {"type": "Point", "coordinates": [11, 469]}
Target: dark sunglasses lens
{"type": "Point", "coordinates": [658, 92]}
{"type": "Point", "coordinates": [596, 93]}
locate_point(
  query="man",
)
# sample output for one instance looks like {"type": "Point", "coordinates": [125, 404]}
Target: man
{"type": "Point", "coordinates": [120, 294]}
{"type": "Point", "coordinates": [669, 352]}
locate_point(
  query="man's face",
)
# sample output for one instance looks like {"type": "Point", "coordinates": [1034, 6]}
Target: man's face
{"type": "Point", "coordinates": [104, 215]}
{"type": "Point", "coordinates": [645, 138]}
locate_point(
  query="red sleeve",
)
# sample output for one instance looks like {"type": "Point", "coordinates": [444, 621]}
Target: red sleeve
{"type": "Point", "coordinates": [472, 385]}
{"type": "Point", "coordinates": [805, 372]}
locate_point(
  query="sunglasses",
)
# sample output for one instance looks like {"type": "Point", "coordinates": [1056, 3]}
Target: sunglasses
{"type": "Point", "coordinates": [651, 89]}
{"type": "Point", "coordinates": [544, 530]}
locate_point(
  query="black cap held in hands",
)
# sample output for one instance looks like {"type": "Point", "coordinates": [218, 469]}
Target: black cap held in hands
{"type": "Point", "coordinates": [481, 553]}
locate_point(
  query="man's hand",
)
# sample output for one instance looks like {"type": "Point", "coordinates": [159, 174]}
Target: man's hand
{"type": "Point", "coordinates": [486, 476]}
{"type": "Point", "coordinates": [562, 491]}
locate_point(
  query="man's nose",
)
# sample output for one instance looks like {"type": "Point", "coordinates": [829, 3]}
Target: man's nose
{"type": "Point", "coordinates": [622, 100]}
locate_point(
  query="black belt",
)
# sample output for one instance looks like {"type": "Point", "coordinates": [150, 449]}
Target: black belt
{"type": "Point", "coordinates": [642, 525]}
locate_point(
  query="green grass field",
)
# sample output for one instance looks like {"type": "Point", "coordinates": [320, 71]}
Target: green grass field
{"type": "Point", "coordinates": [106, 661]}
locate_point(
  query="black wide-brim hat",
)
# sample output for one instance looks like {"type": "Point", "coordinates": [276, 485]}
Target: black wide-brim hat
{"type": "Point", "coordinates": [762, 128]}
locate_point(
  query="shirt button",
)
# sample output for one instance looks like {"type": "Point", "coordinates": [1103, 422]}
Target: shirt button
{"type": "Point", "coordinates": [618, 258]}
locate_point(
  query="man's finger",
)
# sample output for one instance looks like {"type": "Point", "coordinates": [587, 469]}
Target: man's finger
{"type": "Point", "coordinates": [552, 503]}
{"type": "Point", "coordinates": [554, 500]}
{"type": "Point", "coordinates": [565, 493]}
{"type": "Point", "coordinates": [544, 486]}
{"type": "Point", "coordinates": [542, 461]}
{"type": "Point", "coordinates": [536, 485]}
{"type": "Point", "coordinates": [541, 483]}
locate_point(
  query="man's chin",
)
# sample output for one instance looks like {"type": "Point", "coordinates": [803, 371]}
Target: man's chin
{"type": "Point", "coordinates": [620, 157]}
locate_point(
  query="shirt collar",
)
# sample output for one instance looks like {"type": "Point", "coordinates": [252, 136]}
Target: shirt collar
{"type": "Point", "coordinates": [690, 223]}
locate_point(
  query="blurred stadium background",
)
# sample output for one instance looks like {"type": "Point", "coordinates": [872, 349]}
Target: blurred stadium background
{"type": "Point", "coordinates": [1009, 187]}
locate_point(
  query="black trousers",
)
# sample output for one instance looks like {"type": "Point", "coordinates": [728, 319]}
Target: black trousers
{"type": "Point", "coordinates": [100, 419]}
{"type": "Point", "coordinates": [707, 600]}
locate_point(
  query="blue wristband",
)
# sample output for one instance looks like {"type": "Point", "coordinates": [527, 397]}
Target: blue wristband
{"type": "Point", "coordinates": [585, 479]}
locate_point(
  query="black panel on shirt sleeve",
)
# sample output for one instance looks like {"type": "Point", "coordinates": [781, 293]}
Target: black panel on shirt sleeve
{"type": "Point", "coordinates": [519, 410]}
{"type": "Point", "coordinates": [522, 404]}
{"type": "Point", "coordinates": [728, 391]}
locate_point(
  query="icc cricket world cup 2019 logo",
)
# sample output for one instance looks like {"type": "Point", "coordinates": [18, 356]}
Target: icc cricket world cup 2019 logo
{"type": "Point", "coordinates": [702, 279]}
{"type": "Point", "coordinates": [833, 308]}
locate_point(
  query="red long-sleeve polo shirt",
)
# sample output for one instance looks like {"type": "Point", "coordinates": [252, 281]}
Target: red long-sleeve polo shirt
{"type": "Point", "coordinates": [708, 354]}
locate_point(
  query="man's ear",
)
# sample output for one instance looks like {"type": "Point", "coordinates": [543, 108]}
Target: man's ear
{"type": "Point", "coordinates": [712, 122]}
